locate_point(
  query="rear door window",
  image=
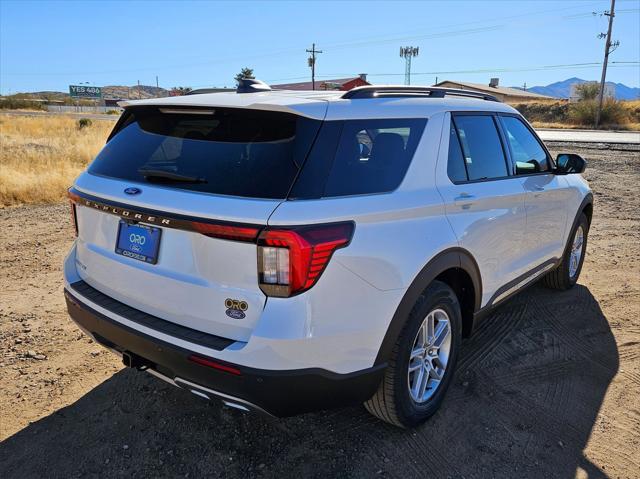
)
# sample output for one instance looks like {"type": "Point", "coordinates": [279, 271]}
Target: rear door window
{"type": "Point", "coordinates": [226, 151]}
{"type": "Point", "coordinates": [372, 156]}
{"type": "Point", "coordinates": [455, 164]}
{"type": "Point", "coordinates": [481, 146]}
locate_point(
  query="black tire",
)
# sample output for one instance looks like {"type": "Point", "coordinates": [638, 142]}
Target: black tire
{"type": "Point", "coordinates": [560, 278]}
{"type": "Point", "coordinates": [393, 402]}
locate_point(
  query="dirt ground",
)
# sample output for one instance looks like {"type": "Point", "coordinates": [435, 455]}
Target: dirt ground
{"type": "Point", "coordinates": [549, 386]}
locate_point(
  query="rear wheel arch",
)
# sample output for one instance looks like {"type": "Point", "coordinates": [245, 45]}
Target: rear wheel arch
{"type": "Point", "coordinates": [455, 267]}
{"type": "Point", "coordinates": [461, 282]}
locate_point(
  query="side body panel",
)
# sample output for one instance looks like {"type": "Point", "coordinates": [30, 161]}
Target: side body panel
{"type": "Point", "coordinates": [578, 195]}
{"type": "Point", "coordinates": [489, 221]}
{"type": "Point", "coordinates": [548, 201]}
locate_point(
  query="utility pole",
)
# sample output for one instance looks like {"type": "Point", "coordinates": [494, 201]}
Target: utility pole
{"type": "Point", "coordinates": [312, 64]}
{"type": "Point", "coordinates": [139, 90]}
{"type": "Point", "coordinates": [408, 53]}
{"type": "Point", "coordinates": [157, 87]}
{"type": "Point", "coordinates": [607, 50]}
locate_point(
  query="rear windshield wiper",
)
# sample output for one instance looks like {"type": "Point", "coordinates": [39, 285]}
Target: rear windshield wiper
{"type": "Point", "coordinates": [151, 173]}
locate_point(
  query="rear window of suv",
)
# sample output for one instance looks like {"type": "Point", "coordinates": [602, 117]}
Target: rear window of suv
{"type": "Point", "coordinates": [226, 151]}
{"type": "Point", "coordinates": [358, 157]}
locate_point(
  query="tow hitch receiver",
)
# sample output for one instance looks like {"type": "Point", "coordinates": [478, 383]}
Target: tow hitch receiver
{"type": "Point", "coordinates": [132, 360]}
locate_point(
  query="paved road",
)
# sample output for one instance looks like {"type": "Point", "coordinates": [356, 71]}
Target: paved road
{"type": "Point", "coordinates": [589, 136]}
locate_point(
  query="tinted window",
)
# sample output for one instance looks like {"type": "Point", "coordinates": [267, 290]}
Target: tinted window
{"type": "Point", "coordinates": [225, 151]}
{"type": "Point", "coordinates": [481, 147]}
{"type": "Point", "coordinates": [455, 165]}
{"type": "Point", "coordinates": [526, 151]}
{"type": "Point", "coordinates": [372, 156]}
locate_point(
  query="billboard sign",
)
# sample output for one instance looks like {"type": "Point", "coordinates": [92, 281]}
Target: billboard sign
{"type": "Point", "coordinates": [85, 91]}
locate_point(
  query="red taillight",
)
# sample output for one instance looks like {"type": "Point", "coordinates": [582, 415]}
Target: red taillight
{"type": "Point", "coordinates": [215, 365]}
{"type": "Point", "coordinates": [291, 260]}
{"type": "Point", "coordinates": [73, 199]}
{"type": "Point", "coordinates": [228, 232]}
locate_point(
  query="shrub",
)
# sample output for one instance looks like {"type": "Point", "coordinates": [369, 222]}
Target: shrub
{"type": "Point", "coordinates": [588, 90]}
{"type": "Point", "coordinates": [584, 112]}
{"type": "Point", "coordinates": [84, 123]}
{"type": "Point", "coordinates": [14, 103]}
{"type": "Point", "coordinates": [633, 107]}
{"type": "Point", "coordinates": [113, 112]}
{"type": "Point", "coordinates": [546, 112]}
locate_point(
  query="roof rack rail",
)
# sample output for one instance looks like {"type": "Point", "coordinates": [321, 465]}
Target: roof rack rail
{"type": "Point", "coordinates": [374, 91]}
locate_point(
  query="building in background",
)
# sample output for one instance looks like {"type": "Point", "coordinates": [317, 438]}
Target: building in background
{"type": "Point", "coordinates": [504, 94]}
{"type": "Point", "coordinates": [342, 84]}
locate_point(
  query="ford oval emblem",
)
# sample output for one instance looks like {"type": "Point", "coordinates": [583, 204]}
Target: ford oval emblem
{"type": "Point", "coordinates": [235, 314]}
{"type": "Point", "coordinates": [133, 191]}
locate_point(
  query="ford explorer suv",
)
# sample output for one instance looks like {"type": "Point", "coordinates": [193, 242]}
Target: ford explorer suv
{"type": "Point", "coordinates": [291, 251]}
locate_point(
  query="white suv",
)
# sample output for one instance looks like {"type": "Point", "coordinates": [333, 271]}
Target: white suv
{"type": "Point", "coordinates": [291, 251]}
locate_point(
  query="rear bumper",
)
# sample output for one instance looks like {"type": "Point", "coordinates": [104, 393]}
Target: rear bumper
{"type": "Point", "coordinates": [279, 393]}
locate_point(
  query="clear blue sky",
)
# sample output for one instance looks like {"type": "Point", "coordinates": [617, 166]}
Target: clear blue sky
{"type": "Point", "coordinates": [47, 45]}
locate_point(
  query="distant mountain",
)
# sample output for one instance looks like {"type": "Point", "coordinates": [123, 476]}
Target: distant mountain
{"type": "Point", "coordinates": [561, 89]}
{"type": "Point", "coordinates": [117, 92]}
{"type": "Point", "coordinates": [133, 92]}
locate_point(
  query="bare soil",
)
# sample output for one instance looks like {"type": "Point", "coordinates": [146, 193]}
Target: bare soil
{"type": "Point", "coordinates": [549, 386]}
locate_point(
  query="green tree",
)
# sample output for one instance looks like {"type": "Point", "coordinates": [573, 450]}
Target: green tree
{"type": "Point", "coordinates": [246, 72]}
{"type": "Point", "coordinates": [588, 91]}
{"type": "Point", "coordinates": [180, 90]}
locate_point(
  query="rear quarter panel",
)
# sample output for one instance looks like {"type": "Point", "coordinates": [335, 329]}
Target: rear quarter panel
{"type": "Point", "coordinates": [396, 234]}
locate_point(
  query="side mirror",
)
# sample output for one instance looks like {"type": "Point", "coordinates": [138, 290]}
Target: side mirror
{"type": "Point", "coordinates": [567, 163]}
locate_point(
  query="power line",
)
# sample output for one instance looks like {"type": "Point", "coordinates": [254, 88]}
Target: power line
{"type": "Point", "coordinates": [567, 66]}
{"type": "Point", "coordinates": [335, 46]}
{"type": "Point", "coordinates": [528, 15]}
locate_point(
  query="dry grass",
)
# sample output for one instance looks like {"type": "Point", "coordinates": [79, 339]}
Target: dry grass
{"type": "Point", "coordinates": [570, 126]}
{"type": "Point", "coordinates": [619, 115]}
{"type": "Point", "coordinates": [41, 156]}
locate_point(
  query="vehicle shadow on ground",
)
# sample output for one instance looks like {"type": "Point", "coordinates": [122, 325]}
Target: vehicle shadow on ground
{"type": "Point", "coordinates": [529, 386]}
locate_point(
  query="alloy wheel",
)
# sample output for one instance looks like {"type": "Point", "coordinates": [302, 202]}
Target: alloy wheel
{"type": "Point", "coordinates": [429, 356]}
{"type": "Point", "coordinates": [576, 252]}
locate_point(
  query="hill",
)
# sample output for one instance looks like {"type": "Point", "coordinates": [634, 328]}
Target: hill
{"type": "Point", "coordinates": [111, 92]}
{"type": "Point", "coordinates": [561, 89]}
{"type": "Point", "coordinates": [134, 92]}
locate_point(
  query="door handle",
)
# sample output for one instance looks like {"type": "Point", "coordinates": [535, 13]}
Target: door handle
{"type": "Point", "coordinates": [464, 196]}
{"type": "Point", "coordinates": [464, 199]}
{"type": "Point", "coordinates": [538, 188]}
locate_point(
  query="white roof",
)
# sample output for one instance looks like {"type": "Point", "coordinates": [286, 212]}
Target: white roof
{"type": "Point", "coordinates": [328, 104]}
